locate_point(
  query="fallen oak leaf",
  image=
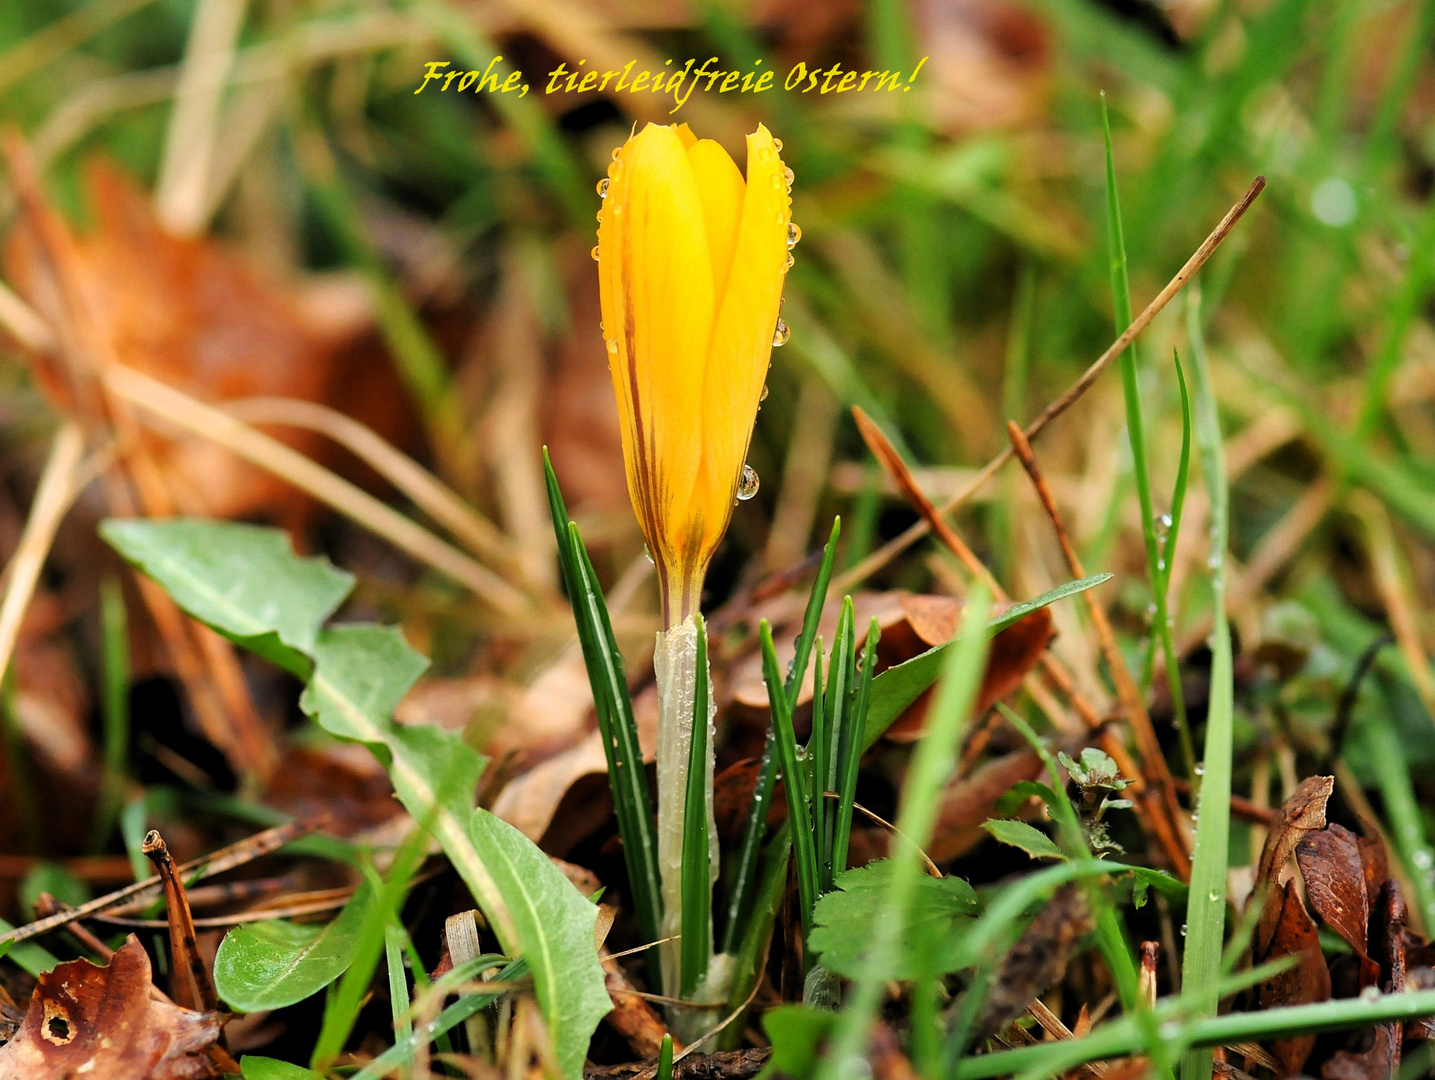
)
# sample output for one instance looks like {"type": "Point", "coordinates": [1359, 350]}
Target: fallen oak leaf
{"type": "Point", "coordinates": [108, 1023]}
{"type": "Point", "coordinates": [1329, 861]}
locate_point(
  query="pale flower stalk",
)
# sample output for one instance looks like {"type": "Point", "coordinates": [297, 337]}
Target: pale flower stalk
{"type": "Point", "coordinates": [692, 259]}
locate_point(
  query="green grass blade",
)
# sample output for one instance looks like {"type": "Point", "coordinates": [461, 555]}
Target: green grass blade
{"type": "Point", "coordinates": [114, 624]}
{"type": "Point", "coordinates": [744, 872]}
{"type": "Point", "coordinates": [341, 1011]}
{"type": "Point", "coordinates": [613, 705]}
{"type": "Point", "coordinates": [932, 765]}
{"type": "Point", "coordinates": [794, 779]}
{"type": "Point", "coordinates": [696, 944]}
{"type": "Point", "coordinates": [1206, 908]}
{"type": "Point", "coordinates": [1164, 630]}
{"type": "Point", "coordinates": [757, 935]}
{"type": "Point", "coordinates": [815, 761]}
{"type": "Point", "coordinates": [665, 1059]}
{"type": "Point", "coordinates": [1402, 810]}
{"type": "Point", "coordinates": [1130, 386]}
{"type": "Point", "coordinates": [849, 752]}
{"type": "Point", "coordinates": [394, 940]}
{"type": "Point", "coordinates": [839, 713]}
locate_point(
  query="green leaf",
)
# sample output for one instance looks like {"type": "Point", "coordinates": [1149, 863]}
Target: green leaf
{"type": "Point", "coordinates": [248, 584]}
{"type": "Point", "coordinates": [267, 965]}
{"type": "Point", "coordinates": [1021, 835]}
{"type": "Point", "coordinates": [253, 1067]}
{"type": "Point", "coordinates": [242, 580]}
{"type": "Point", "coordinates": [897, 687]}
{"type": "Point", "coordinates": [555, 924]}
{"type": "Point", "coordinates": [845, 923]}
{"type": "Point", "coordinates": [796, 1034]}
{"type": "Point", "coordinates": [627, 778]}
{"type": "Point", "coordinates": [1018, 794]}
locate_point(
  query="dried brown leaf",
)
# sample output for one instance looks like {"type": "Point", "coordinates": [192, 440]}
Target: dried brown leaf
{"type": "Point", "coordinates": [104, 1023]}
{"type": "Point", "coordinates": [1293, 934]}
{"type": "Point", "coordinates": [1329, 861]}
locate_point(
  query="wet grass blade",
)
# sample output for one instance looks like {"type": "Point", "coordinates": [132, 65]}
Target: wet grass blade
{"type": "Point", "coordinates": [815, 760]}
{"type": "Point", "coordinates": [849, 752]}
{"type": "Point", "coordinates": [611, 700]}
{"type": "Point", "coordinates": [744, 874]}
{"type": "Point", "coordinates": [827, 766]}
{"type": "Point", "coordinates": [1130, 385]}
{"type": "Point", "coordinates": [1163, 581]}
{"type": "Point", "coordinates": [696, 944]}
{"type": "Point", "coordinates": [794, 780]}
{"type": "Point", "coordinates": [1206, 908]}
{"type": "Point", "coordinates": [665, 1059]}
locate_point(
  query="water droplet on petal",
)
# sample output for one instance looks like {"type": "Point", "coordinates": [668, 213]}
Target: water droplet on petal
{"type": "Point", "coordinates": [777, 144]}
{"type": "Point", "coordinates": [781, 334]}
{"type": "Point", "coordinates": [790, 260]}
{"type": "Point", "coordinates": [600, 217]}
{"type": "Point", "coordinates": [794, 234]}
{"type": "Point", "coordinates": [594, 253]}
{"type": "Point", "coordinates": [747, 483]}
{"type": "Point", "coordinates": [648, 553]}
{"type": "Point", "coordinates": [776, 182]}
{"type": "Point", "coordinates": [603, 188]}
{"type": "Point", "coordinates": [612, 345]}
{"type": "Point", "coordinates": [788, 176]}
{"type": "Point", "coordinates": [763, 396]}
{"type": "Point", "coordinates": [617, 152]}
{"type": "Point", "coordinates": [764, 154]}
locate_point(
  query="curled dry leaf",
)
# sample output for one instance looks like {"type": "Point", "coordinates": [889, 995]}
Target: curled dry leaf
{"type": "Point", "coordinates": [108, 1023]}
{"type": "Point", "coordinates": [1329, 861]}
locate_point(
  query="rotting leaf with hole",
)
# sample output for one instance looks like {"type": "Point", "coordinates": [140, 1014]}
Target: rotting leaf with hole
{"type": "Point", "coordinates": [843, 925]}
{"type": "Point", "coordinates": [267, 965]}
{"type": "Point", "coordinates": [104, 1023]}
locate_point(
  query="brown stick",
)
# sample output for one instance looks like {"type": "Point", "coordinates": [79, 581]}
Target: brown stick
{"type": "Point", "coordinates": [195, 991]}
{"type": "Point", "coordinates": [1153, 762]}
{"type": "Point", "coordinates": [887, 455]}
{"type": "Point", "coordinates": [887, 551]}
{"type": "Point", "coordinates": [226, 858]}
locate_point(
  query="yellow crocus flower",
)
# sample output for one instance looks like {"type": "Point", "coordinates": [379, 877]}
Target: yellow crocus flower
{"type": "Point", "coordinates": [691, 263]}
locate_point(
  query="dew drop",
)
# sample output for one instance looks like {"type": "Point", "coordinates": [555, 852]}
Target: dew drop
{"type": "Point", "coordinates": [612, 345]}
{"type": "Point", "coordinates": [600, 217]}
{"type": "Point", "coordinates": [790, 260]}
{"type": "Point", "coordinates": [764, 154]}
{"type": "Point", "coordinates": [648, 553]}
{"type": "Point", "coordinates": [776, 182]}
{"type": "Point", "coordinates": [617, 152]}
{"type": "Point", "coordinates": [1183, 929]}
{"type": "Point", "coordinates": [777, 145]}
{"type": "Point", "coordinates": [1370, 993]}
{"type": "Point", "coordinates": [594, 253]}
{"type": "Point", "coordinates": [794, 234]}
{"type": "Point", "coordinates": [1165, 521]}
{"type": "Point", "coordinates": [1213, 896]}
{"type": "Point", "coordinates": [788, 176]}
{"type": "Point", "coordinates": [1200, 769]}
{"type": "Point", "coordinates": [781, 334]}
{"type": "Point", "coordinates": [763, 396]}
{"type": "Point", "coordinates": [747, 484]}
{"type": "Point", "coordinates": [603, 188]}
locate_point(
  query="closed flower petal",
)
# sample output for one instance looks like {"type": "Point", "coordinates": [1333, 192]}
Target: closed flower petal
{"type": "Point", "coordinates": [691, 263]}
